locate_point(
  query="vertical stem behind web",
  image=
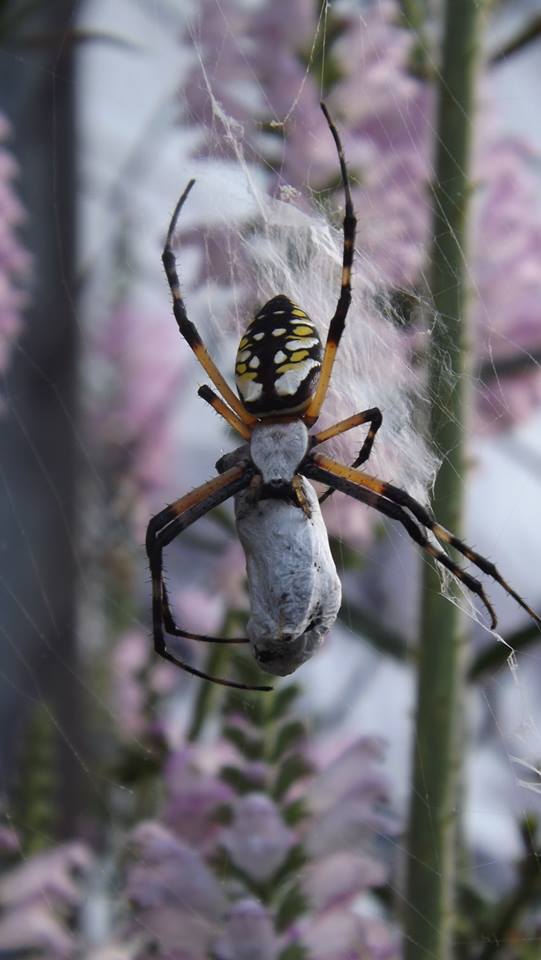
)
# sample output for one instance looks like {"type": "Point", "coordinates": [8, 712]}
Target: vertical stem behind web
{"type": "Point", "coordinates": [431, 849]}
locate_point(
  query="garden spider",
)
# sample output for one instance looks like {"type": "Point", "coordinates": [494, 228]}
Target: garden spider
{"type": "Point", "coordinates": [282, 376]}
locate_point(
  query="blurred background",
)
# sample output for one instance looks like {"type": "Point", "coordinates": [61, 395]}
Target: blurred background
{"type": "Point", "coordinates": [144, 812]}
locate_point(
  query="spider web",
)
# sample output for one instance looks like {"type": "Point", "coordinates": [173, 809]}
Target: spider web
{"type": "Point", "coordinates": [291, 242]}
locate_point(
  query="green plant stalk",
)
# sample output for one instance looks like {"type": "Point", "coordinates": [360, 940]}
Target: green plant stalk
{"type": "Point", "coordinates": [431, 843]}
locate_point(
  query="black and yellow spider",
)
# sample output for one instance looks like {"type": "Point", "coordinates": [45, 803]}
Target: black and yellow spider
{"type": "Point", "coordinates": [282, 376]}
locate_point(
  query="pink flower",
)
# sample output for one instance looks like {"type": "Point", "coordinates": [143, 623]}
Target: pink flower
{"type": "Point", "coordinates": [191, 799]}
{"type": "Point", "coordinates": [248, 934]}
{"type": "Point", "coordinates": [9, 841]}
{"type": "Point", "coordinates": [257, 842]}
{"type": "Point", "coordinates": [49, 877]}
{"type": "Point", "coordinates": [177, 903]}
{"type": "Point", "coordinates": [343, 935]}
{"type": "Point", "coordinates": [35, 930]}
{"type": "Point", "coordinates": [386, 118]}
{"type": "Point", "coordinates": [199, 610]}
{"type": "Point", "coordinates": [37, 897]}
{"type": "Point", "coordinates": [341, 876]}
{"type": "Point", "coordinates": [139, 368]}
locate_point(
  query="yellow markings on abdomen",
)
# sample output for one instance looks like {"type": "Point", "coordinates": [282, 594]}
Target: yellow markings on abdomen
{"type": "Point", "coordinates": [302, 344]}
{"type": "Point", "coordinates": [293, 376]}
{"type": "Point", "coordinates": [299, 355]}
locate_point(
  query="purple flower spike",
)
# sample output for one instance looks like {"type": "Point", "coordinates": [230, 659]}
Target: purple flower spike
{"type": "Point", "coordinates": [341, 876]}
{"type": "Point", "coordinates": [249, 933]}
{"type": "Point", "coordinates": [177, 903]}
{"type": "Point", "coordinates": [258, 842]}
{"type": "Point", "coordinates": [47, 877]}
{"type": "Point", "coordinates": [35, 895]}
{"type": "Point", "coordinates": [342, 935]}
{"type": "Point", "coordinates": [192, 797]}
{"type": "Point", "coordinates": [37, 932]}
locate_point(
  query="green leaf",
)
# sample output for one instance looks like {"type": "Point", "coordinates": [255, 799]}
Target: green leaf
{"type": "Point", "coordinates": [239, 781]}
{"type": "Point", "coordinates": [292, 769]}
{"type": "Point", "coordinates": [295, 861]}
{"type": "Point", "coordinates": [250, 747]}
{"type": "Point", "coordinates": [295, 951]}
{"type": "Point", "coordinates": [288, 735]}
{"type": "Point", "coordinates": [529, 33]}
{"type": "Point", "coordinates": [293, 904]}
{"type": "Point", "coordinates": [283, 700]}
{"type": "Point", "coordinates": [222, 814]}
{"type": "Point", "coordinates": [295, 811]}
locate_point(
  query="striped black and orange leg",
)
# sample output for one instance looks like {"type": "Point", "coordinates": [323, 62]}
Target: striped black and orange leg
{"type": "Point", "coordinates": [165, 527]}
{"type": "Point", "coordinates": [403, 499]}
{"type": "Point", "coordinates": [372, 416]}
{"type": "Point", "coordinates": [187, 328]}
{"type": "Point", "coordinates": [337, 324]}
{"type": "Point", "coordinates": [339, 481]}
{"type": "Point", "coordinates": [220, 407]}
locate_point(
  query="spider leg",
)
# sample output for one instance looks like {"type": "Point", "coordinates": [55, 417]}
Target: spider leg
{"type": "Point", "coordinates": [207, 394]}
{"type": "Point", "coordinates": [176, 631]}
{"type": "Point", "coordinates": [337, 324]}
{"type": "Point", "coordinates": [186, 327]}
{"type": "Point", "coordinates": [373, 416]}
{"type": "Point", "coordinates": [398, 496]}
{"type": "Point", "coordinates": [396, 512]}
{"type": "Point", "coordinates": [162, 529]}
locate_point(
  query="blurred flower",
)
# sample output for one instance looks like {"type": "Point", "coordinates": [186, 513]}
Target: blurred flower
{"type": "Point", "coordinates": [9, 841]}
{"type": "Point", "coordinates": [386, 118]}
{"type": "Point", "coordinates": [141, 363]}
{"type": "Point", "coordinates": [135, 670]}
{"type": "Point", "coordinates": [38, 898]}
{"type": "Point", "coordinates": [333, 856]}
{"type": "Point", "coordinates": [192, 796]}
{"type": "Point", "coordinates": [507, 277]}
{"type": "Point", "coordinates": [199, 610]}
{"type": "Point", "coordinates": [343, 935]}
{"type": "Point", "coordinates": [257, 842]}
{"type": "Point", "coordinates": [177, 902]}
{"type": "Point", "coordinates": [248, 934]}
{"type": "Point", "coordinates": [35, 929]}
{"type": "Point", "coordinates": [14, 260]}
{"type": "Point", "coordinates": [51, 876]}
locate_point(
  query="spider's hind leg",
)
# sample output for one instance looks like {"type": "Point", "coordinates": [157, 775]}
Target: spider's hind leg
{"type": "Point", "coordinates": [175, 631]}
{"type": "Point", "coordinates": [165, 527]}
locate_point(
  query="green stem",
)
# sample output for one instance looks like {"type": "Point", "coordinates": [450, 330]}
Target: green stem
{"type": "Point", "coordinates": [431, 860]}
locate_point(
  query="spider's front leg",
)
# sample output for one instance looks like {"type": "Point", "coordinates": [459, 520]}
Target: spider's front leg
{"type": "Point", "coordinates": [373, 416]}
{"type": "Point", "coordinates": [165, 527]}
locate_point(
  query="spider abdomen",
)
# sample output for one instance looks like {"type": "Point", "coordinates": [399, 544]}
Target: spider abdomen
{"type": "Point", "coordinates": [278, 360]}
{"type": "Point", "coordinates": [294, 590]}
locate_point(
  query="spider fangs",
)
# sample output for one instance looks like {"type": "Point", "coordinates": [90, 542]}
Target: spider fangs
{"type": "Point", "coordinates": [282, 376]}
